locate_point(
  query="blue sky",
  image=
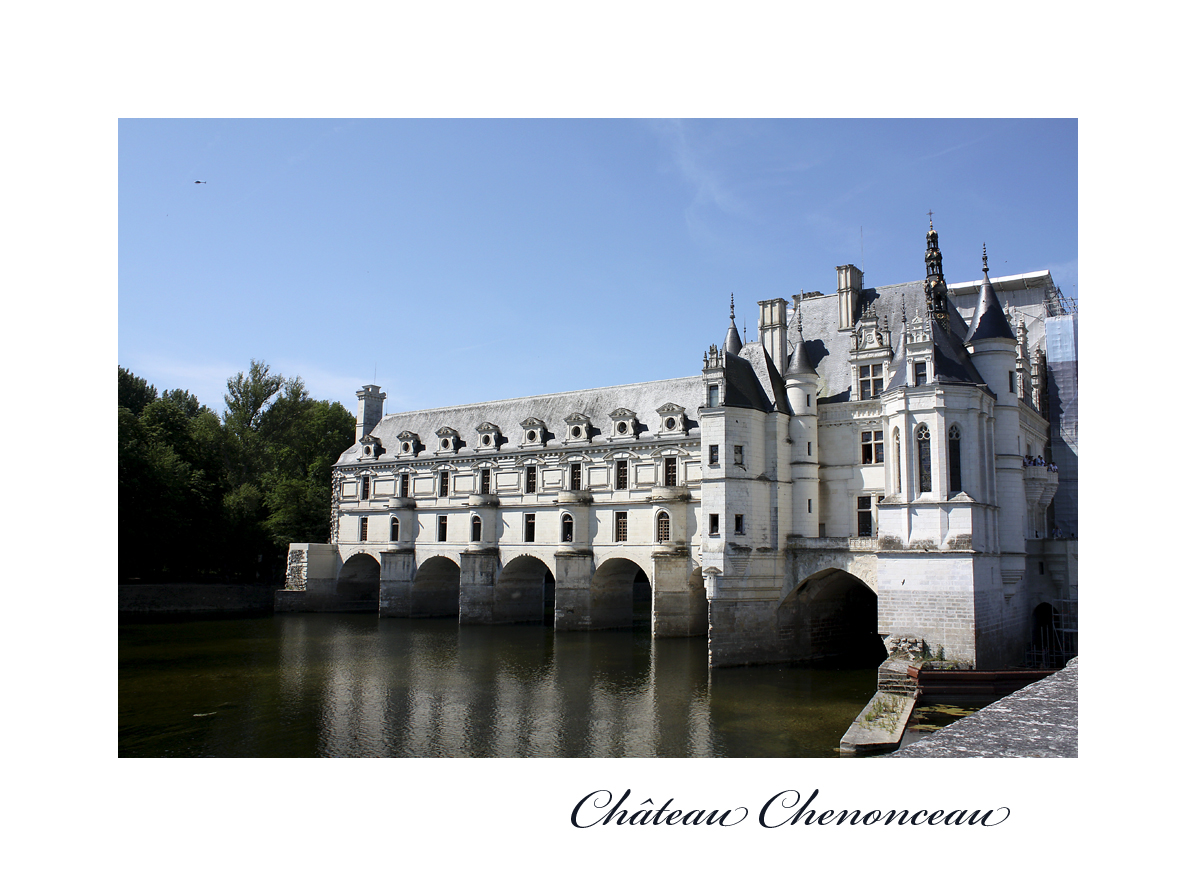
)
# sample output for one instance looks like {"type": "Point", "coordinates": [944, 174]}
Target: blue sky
{"type": "Point", "coordinates": [459, 261]}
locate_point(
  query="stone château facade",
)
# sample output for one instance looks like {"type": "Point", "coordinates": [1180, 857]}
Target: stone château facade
{"type": "Point", "coordinates": [861, 469]}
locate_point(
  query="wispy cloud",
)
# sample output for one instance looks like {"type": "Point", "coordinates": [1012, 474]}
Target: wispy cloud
{"type": "Point", "coordinates": [954, 148]}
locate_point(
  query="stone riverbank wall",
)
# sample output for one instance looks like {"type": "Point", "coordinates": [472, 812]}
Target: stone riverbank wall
{"type": "Point", "coordinates": [136, 599]}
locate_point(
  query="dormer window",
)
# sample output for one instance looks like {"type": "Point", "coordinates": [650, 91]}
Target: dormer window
{"type": "Point", "coordinates": [447, 440]}
{"type": "Point", "coordinates": [623, 424]}
{"type": "Point", "coordinates": [872, 381]}
{"type": "Point", "coordinates": [408, 444]}
{"type": "Point", "coordinates": [371, 447]}
{"type": "Point", "coordinates": [577, 429]}
{"type": "Point", "coordinates": [919, 374]}
{"type": "Point", "coordinates": [488, 437]}
{"type": "Point", "coordinates": [712, 395]}
{"type": "Point", "coordinates": [534, 431]}
{"type": "Point", "coordinates": [672, 419]}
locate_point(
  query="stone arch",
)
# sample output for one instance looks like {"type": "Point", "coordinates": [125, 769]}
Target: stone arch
{"type": "Point", "coordinates": [359, 582]}
{"type": "Point", "coordinates": [436, 590]}
{"type": "Point", "coordinates": [830, 617]}
{"type": "Point", "coordinates": [524, 591]}
{"type": "Point", "coordinates": [1046, 640]}
{"type": "Point", "coordinates": [620, 594]}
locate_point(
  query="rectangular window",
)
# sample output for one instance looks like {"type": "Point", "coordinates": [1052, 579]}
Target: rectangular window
{"type": "Point", "coordinates": [712, 396]}
{"type": "Point", "coordinates": [739, 524]}
{"type": "Point", "coordinates": [1012, 382]}
{"type": "Point", "coordinates": [713, 524]}
{"type": "Point", "coordinates": [365, 487]}
{"type": "Point", "coordinates": [919, 374]}
{"type": "Point", "coordinates": [575, 476]}
{"type": "Point", "coordinates": [529, 527]}
{"type": "Point", "coordinates": [530, 481]}
{"type": "Point", "coordinates": [871, 381]}
{"type": "Point", "coordinates": [442, 528]}
{"type": "Point", "coordinates": [714, 454]}
{"type": "Point", "coordinates": [364, 529]}
{"type": "Point", "coordinates": [620, 526]}
{"type": "Point", "coordinates": [809, 506]}
{"type": "Point", "coordinates": [872, 447]}
{"type": "Point", "coordinates": [621, 474]}
{"type": "Point", "coordinates": [404, 485]}
{"type": "Point", "coordinates": [863, 515]}
{"type": "Point", "coordinates": [444, 481]}
{"type": "Point", "coordinates": [670, 472]}
{"type": "Point", "coordinates": [485, 487]}
{"type": "Point", "coordinates": [809, 448]}
{"type": "Point", "coordinates": [807, 399]}
{"type": "Point", "coordinates": [737, 454]}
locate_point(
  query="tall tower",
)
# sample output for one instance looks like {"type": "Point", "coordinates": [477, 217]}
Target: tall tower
{"type": "Point", "coordinates": [993, 348]}
{"type": "Point", "coordinates": [801, 389]}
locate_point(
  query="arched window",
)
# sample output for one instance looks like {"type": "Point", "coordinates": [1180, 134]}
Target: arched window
{"type": "Point", "coordinates": [924, 480]}
{"type": "Point", "coordinates": [566, 527]}
{"type": "Point", "coordinates": [953, 463]}
{"type": "Point", "coordinates": [662, 527]}
{"type": "Point", "coordinates": [475, 528]}
{"type": "Point", "coordinates": [394, 529]}
{"type": "Point", "coordinates": [897, 459]}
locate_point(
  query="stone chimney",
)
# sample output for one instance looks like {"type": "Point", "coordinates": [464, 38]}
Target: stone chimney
{"type": "Point", "coordinates": [369, 409]}
{"type": "Point", "coordinates": [774, 331]}
{"type": "Point", "coordinates": [851, 281]}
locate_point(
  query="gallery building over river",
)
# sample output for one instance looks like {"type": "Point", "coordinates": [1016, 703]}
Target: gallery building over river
{"type": "Point", "coordinates": [893, 464]}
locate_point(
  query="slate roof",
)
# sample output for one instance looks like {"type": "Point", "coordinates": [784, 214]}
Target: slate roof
{"type": "Point", "coordinates": [829, 348]}
{"type": "Point", "coordinates": [552, 408]}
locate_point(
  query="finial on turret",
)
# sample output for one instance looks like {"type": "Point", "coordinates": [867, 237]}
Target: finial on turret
{"type": "Point", "coordinates": [903, 308]}
{"type": "Point", "coordinates": [732, 308]}
{"type": "Point", "coordinates": [799, 316]}
{"type": "Point", "coordinates": [985, 248]}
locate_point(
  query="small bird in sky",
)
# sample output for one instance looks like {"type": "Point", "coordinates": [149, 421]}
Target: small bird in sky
{"type": "Point", "coordinates": [204, 181]}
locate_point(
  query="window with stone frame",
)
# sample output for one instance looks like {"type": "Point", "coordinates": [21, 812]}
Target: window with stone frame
{"type": "Point", "coordinates": [365, 486]}
{"type": "Point", "coordinates": [363, 530]}
{"type": "Point", "coordinates": [621, 474]}
{"type": "Point", "coordinates": [863, 514]}
{"type": "Point", "coordinates": [924, 461]}
{"type": "Point", "coordinates": [713, 525]}
{"type": "Point", "coordinates": [919, 374]}
{"type": "Point", "coordinates": [475, 528]}
{"type": "Point", "coordinates": [442, 528]}
{"type": "Point", "coordinates": [954, 466]}
{"type": "Point", "coordinates": [405, 485]}
{"type": "Point", "coordinates": [444, 484]}
{"type": "Point", "coordinates": [670, 472]}
{"type": "Point", "coordinates": [662, 527]}
{"type": "Point", "coordinates": [714, 454]}
{"type": "Point", "coordinates": [566, 527]}
{"type": "Point", "coordinates": [529, 527]}
{"type": "Point", "coordinates": [529, 484]}
{"type": "Point", "coordinates": [737, 454]}
{"type": "Point", "coordinates": [394, 529]}
{"type": "Point", "coordinates": [872, 381]}
{"type": "Point", "coordinates": [739, 524]}
{"type": "Point", "coordinates": [484, 487]}
{"type": "Point", "coordinates": [620, 526]}
{"type": "Point", "coordinates": [575, 476]}
{"type": "Point", "coordinates": [872, 447]}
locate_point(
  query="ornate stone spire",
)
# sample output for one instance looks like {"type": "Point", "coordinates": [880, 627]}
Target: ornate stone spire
{"type": "Point", "coordinates": [934, 285]}
{"type": "Point", "coordinates": [732, 344]}
{"type": "Point", "coordinates": [799, 362]}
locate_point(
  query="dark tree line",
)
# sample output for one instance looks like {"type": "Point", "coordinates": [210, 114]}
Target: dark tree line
{"type": "Point", "coordinates": [206, 498]}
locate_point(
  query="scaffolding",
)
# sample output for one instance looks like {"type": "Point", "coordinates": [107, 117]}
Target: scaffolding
{"type": "Point", "coordinates": [1052, 646]}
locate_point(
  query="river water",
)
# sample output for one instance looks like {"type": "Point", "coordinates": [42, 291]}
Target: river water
{"type": "Point", "coordinates": [353, 685]}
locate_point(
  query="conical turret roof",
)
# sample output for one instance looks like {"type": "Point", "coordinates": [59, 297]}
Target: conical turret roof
{"type": "Point", "coordinates": [988, 321]}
